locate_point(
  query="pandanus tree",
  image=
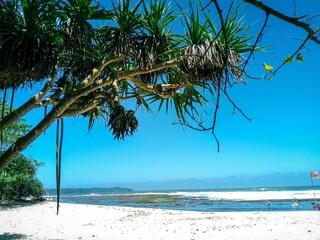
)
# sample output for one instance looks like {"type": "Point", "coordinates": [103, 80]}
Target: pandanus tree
{"type": "Point", "coordinates": [88, 60]}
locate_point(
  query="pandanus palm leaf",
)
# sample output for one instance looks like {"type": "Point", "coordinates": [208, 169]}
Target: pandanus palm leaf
{"type": "Point", "coordinates": [27, 48]}
{"type": "Point", "coordinates": [207, 56]}
{"type": "Point", "coordinates": [210, 58]}
{"type": "Point", "coordinates": [81, 38]}
{"type": "Point", "coordinates": [207, 61]}
{"type": "Point", "coordinates": [234, 37]}
{"type": "Point", "coordinates": [127, 20]}
{"type": "Point", "coordinates": [156, 43]}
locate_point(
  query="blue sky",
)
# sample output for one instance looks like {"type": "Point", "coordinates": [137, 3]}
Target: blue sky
{"type": "Point", "coordinates": [279, 147]}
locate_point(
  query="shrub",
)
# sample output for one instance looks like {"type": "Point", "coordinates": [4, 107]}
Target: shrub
{"type": "Point", "coordinates": [18, 181]}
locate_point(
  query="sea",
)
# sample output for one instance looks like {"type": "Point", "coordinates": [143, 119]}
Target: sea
{"type": "Point", "coordinates": [204, 200]}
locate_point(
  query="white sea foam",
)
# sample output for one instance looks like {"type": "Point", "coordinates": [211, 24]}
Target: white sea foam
{"type": "Point", "coordinates": [252, 195]}
{"type": "Point", "coordinates": [258, 195]}
{"type": "Point", "coordinates": [147, 193]}
{"type": "Point", "coordinates": [261, 195]}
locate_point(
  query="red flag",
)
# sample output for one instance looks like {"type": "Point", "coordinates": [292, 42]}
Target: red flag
{"type": "Point", "coordinates": [314, 174]}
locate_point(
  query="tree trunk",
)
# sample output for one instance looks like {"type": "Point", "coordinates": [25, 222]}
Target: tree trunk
{"type": "Point", "coordinates": [28, 105]}
{"type": "Point", "coordinates": [23, 142]}
{"type": "Point", "coordinates": [17, 114]}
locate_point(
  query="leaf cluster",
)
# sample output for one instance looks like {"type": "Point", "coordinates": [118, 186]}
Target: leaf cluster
{"type": "Point", "coordinates": [122, 122]}
{"type": "Point", "coordinates": [18, 181]}
{"type": "Point", "coordinates": [27, 41]}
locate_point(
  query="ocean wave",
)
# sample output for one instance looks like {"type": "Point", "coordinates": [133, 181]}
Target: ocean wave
{"type": "Point", "coordinates": [251, 195]}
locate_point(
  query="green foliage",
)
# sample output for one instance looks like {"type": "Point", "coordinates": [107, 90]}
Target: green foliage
{"type": "Point", "coordinates": [14, 131]}
{"type": "Point", "coordinates": [299, 57]}
{"type": "Point", "coordinates": [34, 34]}
{"type": "Point", "coordinates": [79, 36]}
{"type": "Point", "coordinates": [288, 59]}
{"type": "Point", "coordinates": [18, 181]}
{"type": "Point", "coordinates": [157, 43]}
{"type": "Point", "coordinates": [158, 16]}
{"type": "Point", "coordinates": [27, 43]}
{"type": "Point", "coordinates": [196, 31]}
{"type": "Point", "coordinates": [235, 32]}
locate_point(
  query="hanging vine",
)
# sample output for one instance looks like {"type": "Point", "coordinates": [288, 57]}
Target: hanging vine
{"type": "Point", "coordinates": [59, 142]}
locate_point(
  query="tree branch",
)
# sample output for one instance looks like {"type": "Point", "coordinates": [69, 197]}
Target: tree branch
{"type": "Point", "coordinates": [156, 68]}
{"type": "Point", "coordinates": [126, 75]}
{"type": "Point", "coordinates": [148, 88]}
{"type": "Point", "coordinates": [102, 82]}
{"type": "Point", "coordinates": [295, 53]}
{"type": "Point", "coordinates": [236, 107]}
{"type": "Point", "coordinates": [292, 20]}
{"type": "Point", "coordinates": [258, 39]}
{"type": "Point", "coordinates": [96, 71]}
{"type": "Point", "coordinates": [80, 109]}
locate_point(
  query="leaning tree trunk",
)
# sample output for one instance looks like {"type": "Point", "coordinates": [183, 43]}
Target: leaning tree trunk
{"type": "Point", "coordinates": [56, 113]}
{"type": "Point", "coordinates": [29, 105]}
{"type": "Point", "coordinates": [18, 113]}
{"type": "Point", "coordinates": [23, 142]}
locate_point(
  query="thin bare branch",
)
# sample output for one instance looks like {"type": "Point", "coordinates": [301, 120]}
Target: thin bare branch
{"type": "Point", "coordinates": [258, 39]}
{"type": "Point", "coordinates": [216, 114]}
{"type": "Point", "coordinates": [236, 107]}
{"type": "Point", "coordinates": [292, 20]}
{"type": "Point", "coordinates": [156, 68]}
{"type": "Point", "coordinates": [294, 54]}
{"type": "Point", "coordinates": [226, 71]}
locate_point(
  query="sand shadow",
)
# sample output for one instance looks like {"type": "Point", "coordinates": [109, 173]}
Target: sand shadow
{"type": "Point", "coordinates": [12, 236]}
{"type": "Point", "coordinates": [11, 205]}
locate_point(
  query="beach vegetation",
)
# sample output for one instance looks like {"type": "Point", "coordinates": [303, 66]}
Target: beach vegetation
{"type": "Point", "coordinates": [18, 179]}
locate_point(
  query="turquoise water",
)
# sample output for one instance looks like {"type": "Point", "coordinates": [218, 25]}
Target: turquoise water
{"type": "Point", "coordinates": [208, 200]}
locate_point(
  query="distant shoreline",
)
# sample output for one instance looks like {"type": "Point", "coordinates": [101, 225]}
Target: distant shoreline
{"type": "Point", "coordinates": [219, 189]}
{"type": "Point", "coordinates": [52, 191]}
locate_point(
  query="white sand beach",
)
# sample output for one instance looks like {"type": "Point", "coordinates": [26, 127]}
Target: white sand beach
{"type": "Point", "coordinates": [116, 223]}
